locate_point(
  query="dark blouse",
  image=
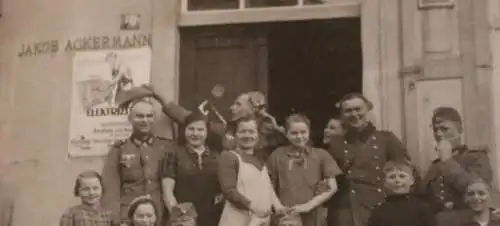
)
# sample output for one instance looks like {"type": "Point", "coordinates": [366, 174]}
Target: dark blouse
{"type": "Point", "coordinates": [228, 176]}
{"type": "Point", "coordinates": [195, 180]}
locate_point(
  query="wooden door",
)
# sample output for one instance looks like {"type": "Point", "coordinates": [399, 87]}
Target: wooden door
{"type": "Point", "coordinates": [232, 56]}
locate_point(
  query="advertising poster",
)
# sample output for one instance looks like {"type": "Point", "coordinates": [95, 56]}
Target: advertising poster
{"type": "Point", "coordinates": [98, 80]}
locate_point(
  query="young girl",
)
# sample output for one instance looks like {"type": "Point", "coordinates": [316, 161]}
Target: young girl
{"type": "Point", "coordinates": [88, 187]}
{"type": "Point", "coordinates": [142, 212]}
{"type": "Point", "coordinates": [298, 170]}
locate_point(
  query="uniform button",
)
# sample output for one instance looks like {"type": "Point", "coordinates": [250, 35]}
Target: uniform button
{"type": "Point", "coordinates": [353, 192]}
{"type": "Point", "coordinates": [441, 197]}
{"type": "Point", "coordinates": [374, 138]}
{"type": "Point", "coordinates": [346, 151]}
{"type": "Point", "coordinates": [349, 171]}
{"type": "Point", "coordinates": [376, 157]}
{"type": "Point", "coordinates": [378, 179]}
{"type": "Point", "coordinates": [442, 191]}
{"type": "Point", "coordinates": [146, 157]}
{"type": "Point", "coordinates": [377, 167]}
{"type": "Point", "coordinates": [375, 147]}
{"type": "Point", "coordinates": [345, 142]}
{"type": "Point", "coordinates": [379, 190]}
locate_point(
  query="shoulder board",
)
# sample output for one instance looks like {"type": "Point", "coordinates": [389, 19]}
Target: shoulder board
{"type": "Point", "coordinates": [479, 148]}
{"type": "Point", "coordinates": [163, 138]}
{"type": "Point", "coordinates": [119, 143]}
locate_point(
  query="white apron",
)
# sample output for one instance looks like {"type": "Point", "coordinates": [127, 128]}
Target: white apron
{"type": "Point", "coordinates": [256, 186]}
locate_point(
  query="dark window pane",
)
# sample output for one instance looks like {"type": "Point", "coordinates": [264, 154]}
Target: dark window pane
{"type": "Point", "coordinates": [212, 4]}
{"type": "Point", "coordinates": [316, 2]}
{"type": "Point", "coordinates": [271, 3]}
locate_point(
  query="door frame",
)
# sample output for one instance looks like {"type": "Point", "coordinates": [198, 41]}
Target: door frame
{"type": "Point", "coordinates": [380, 34]}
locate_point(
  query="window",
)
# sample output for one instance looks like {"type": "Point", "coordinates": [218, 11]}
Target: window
{"type": "Point", "coordinates": [200, 5]}
{"type": "Point", "coordinates": [218, 12]}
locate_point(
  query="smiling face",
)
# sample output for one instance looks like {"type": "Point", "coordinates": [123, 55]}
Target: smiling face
{"type": "Point", "coordinates": [144, 215]}
{"type": "Point", "coordinates": [247, 134]}
{"type": "Point", "coordinates": [354, 113]}
{"type": "Point", "coordinates": [334, 127]}
{"type": "Point", "coordinates": [142, 117]}
{"type": "Point", "coordinates": [477, 196]}
{"type": "Point", "coordinates": [196, 133]}
{"type": "Point", "coordinates": [90, 190]}
{"type": "Point", "coordinates": [298, 134]}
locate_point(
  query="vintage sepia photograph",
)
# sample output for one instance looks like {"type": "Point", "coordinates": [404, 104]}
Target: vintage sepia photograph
{"type": "Point", "coordinates": [250, 113]}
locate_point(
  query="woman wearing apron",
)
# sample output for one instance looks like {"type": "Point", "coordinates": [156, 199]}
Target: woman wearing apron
{"type": "Point", "coordinates": [245, 181]}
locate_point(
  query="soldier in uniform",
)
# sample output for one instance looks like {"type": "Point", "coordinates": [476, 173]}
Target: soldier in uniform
{"type": "Point", "coordinates": [133, 166]}
{"type": "Point", "coordinates": [221, 135]}
{"type": "Point", "coordinates": [448, 176]}
{"type": "Point", "coordinates": [361, 153]}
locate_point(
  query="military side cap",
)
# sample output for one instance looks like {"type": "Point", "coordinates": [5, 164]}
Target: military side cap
{"type": "Point", "coordinates": [183, 212]}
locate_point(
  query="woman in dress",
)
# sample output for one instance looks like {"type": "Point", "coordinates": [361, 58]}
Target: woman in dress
{"type": "Point", "coordinates": [190, 173]}
{"type": "Point", "coordinates": [245, 181]}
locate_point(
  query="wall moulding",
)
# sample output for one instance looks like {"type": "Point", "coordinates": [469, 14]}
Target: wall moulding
{"type": "Point", "coordinates": [433, 4]}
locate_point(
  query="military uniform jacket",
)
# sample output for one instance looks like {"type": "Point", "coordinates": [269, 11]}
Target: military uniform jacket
{"type": "Point", "coordinates": [133, 169]}
{"type": "Point", "coordinates": [362, 156]}
{"type": "Point", "coordinates": [445, 182]}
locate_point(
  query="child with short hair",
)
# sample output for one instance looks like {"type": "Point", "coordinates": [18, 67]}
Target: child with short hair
{"type": "Point", "coordinates": [143, 212]}
{"type": "Point", "coordinates": [88, 187]}
{"type": "Point", "coordinates": [401, 207]}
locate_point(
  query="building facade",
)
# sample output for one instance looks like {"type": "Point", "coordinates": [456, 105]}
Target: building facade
{"type": "Point", "coordinates": [413, 57]}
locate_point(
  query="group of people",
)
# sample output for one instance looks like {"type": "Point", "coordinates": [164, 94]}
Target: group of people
{"type": "Point", "coordinates": [251, 171]}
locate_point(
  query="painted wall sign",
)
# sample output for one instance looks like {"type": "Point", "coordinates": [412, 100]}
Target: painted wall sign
{"type": "Point", "coordinates": [85, 44]}
{"type": "Point", "coordinates": [99, 77]}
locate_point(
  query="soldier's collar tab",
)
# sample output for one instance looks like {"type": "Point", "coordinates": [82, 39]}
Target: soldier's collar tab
{"type": "Point", "coordinates": [139, 141]}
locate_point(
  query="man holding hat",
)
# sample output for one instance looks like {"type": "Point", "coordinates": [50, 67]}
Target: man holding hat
{"type": "Point", "coordinates": [456, 164]}
{"type": "Point", "coordinates": [361, 153]}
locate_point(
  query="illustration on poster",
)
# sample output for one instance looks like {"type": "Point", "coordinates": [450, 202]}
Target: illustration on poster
{"type": "Point", "coordinates": [100, 78]}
